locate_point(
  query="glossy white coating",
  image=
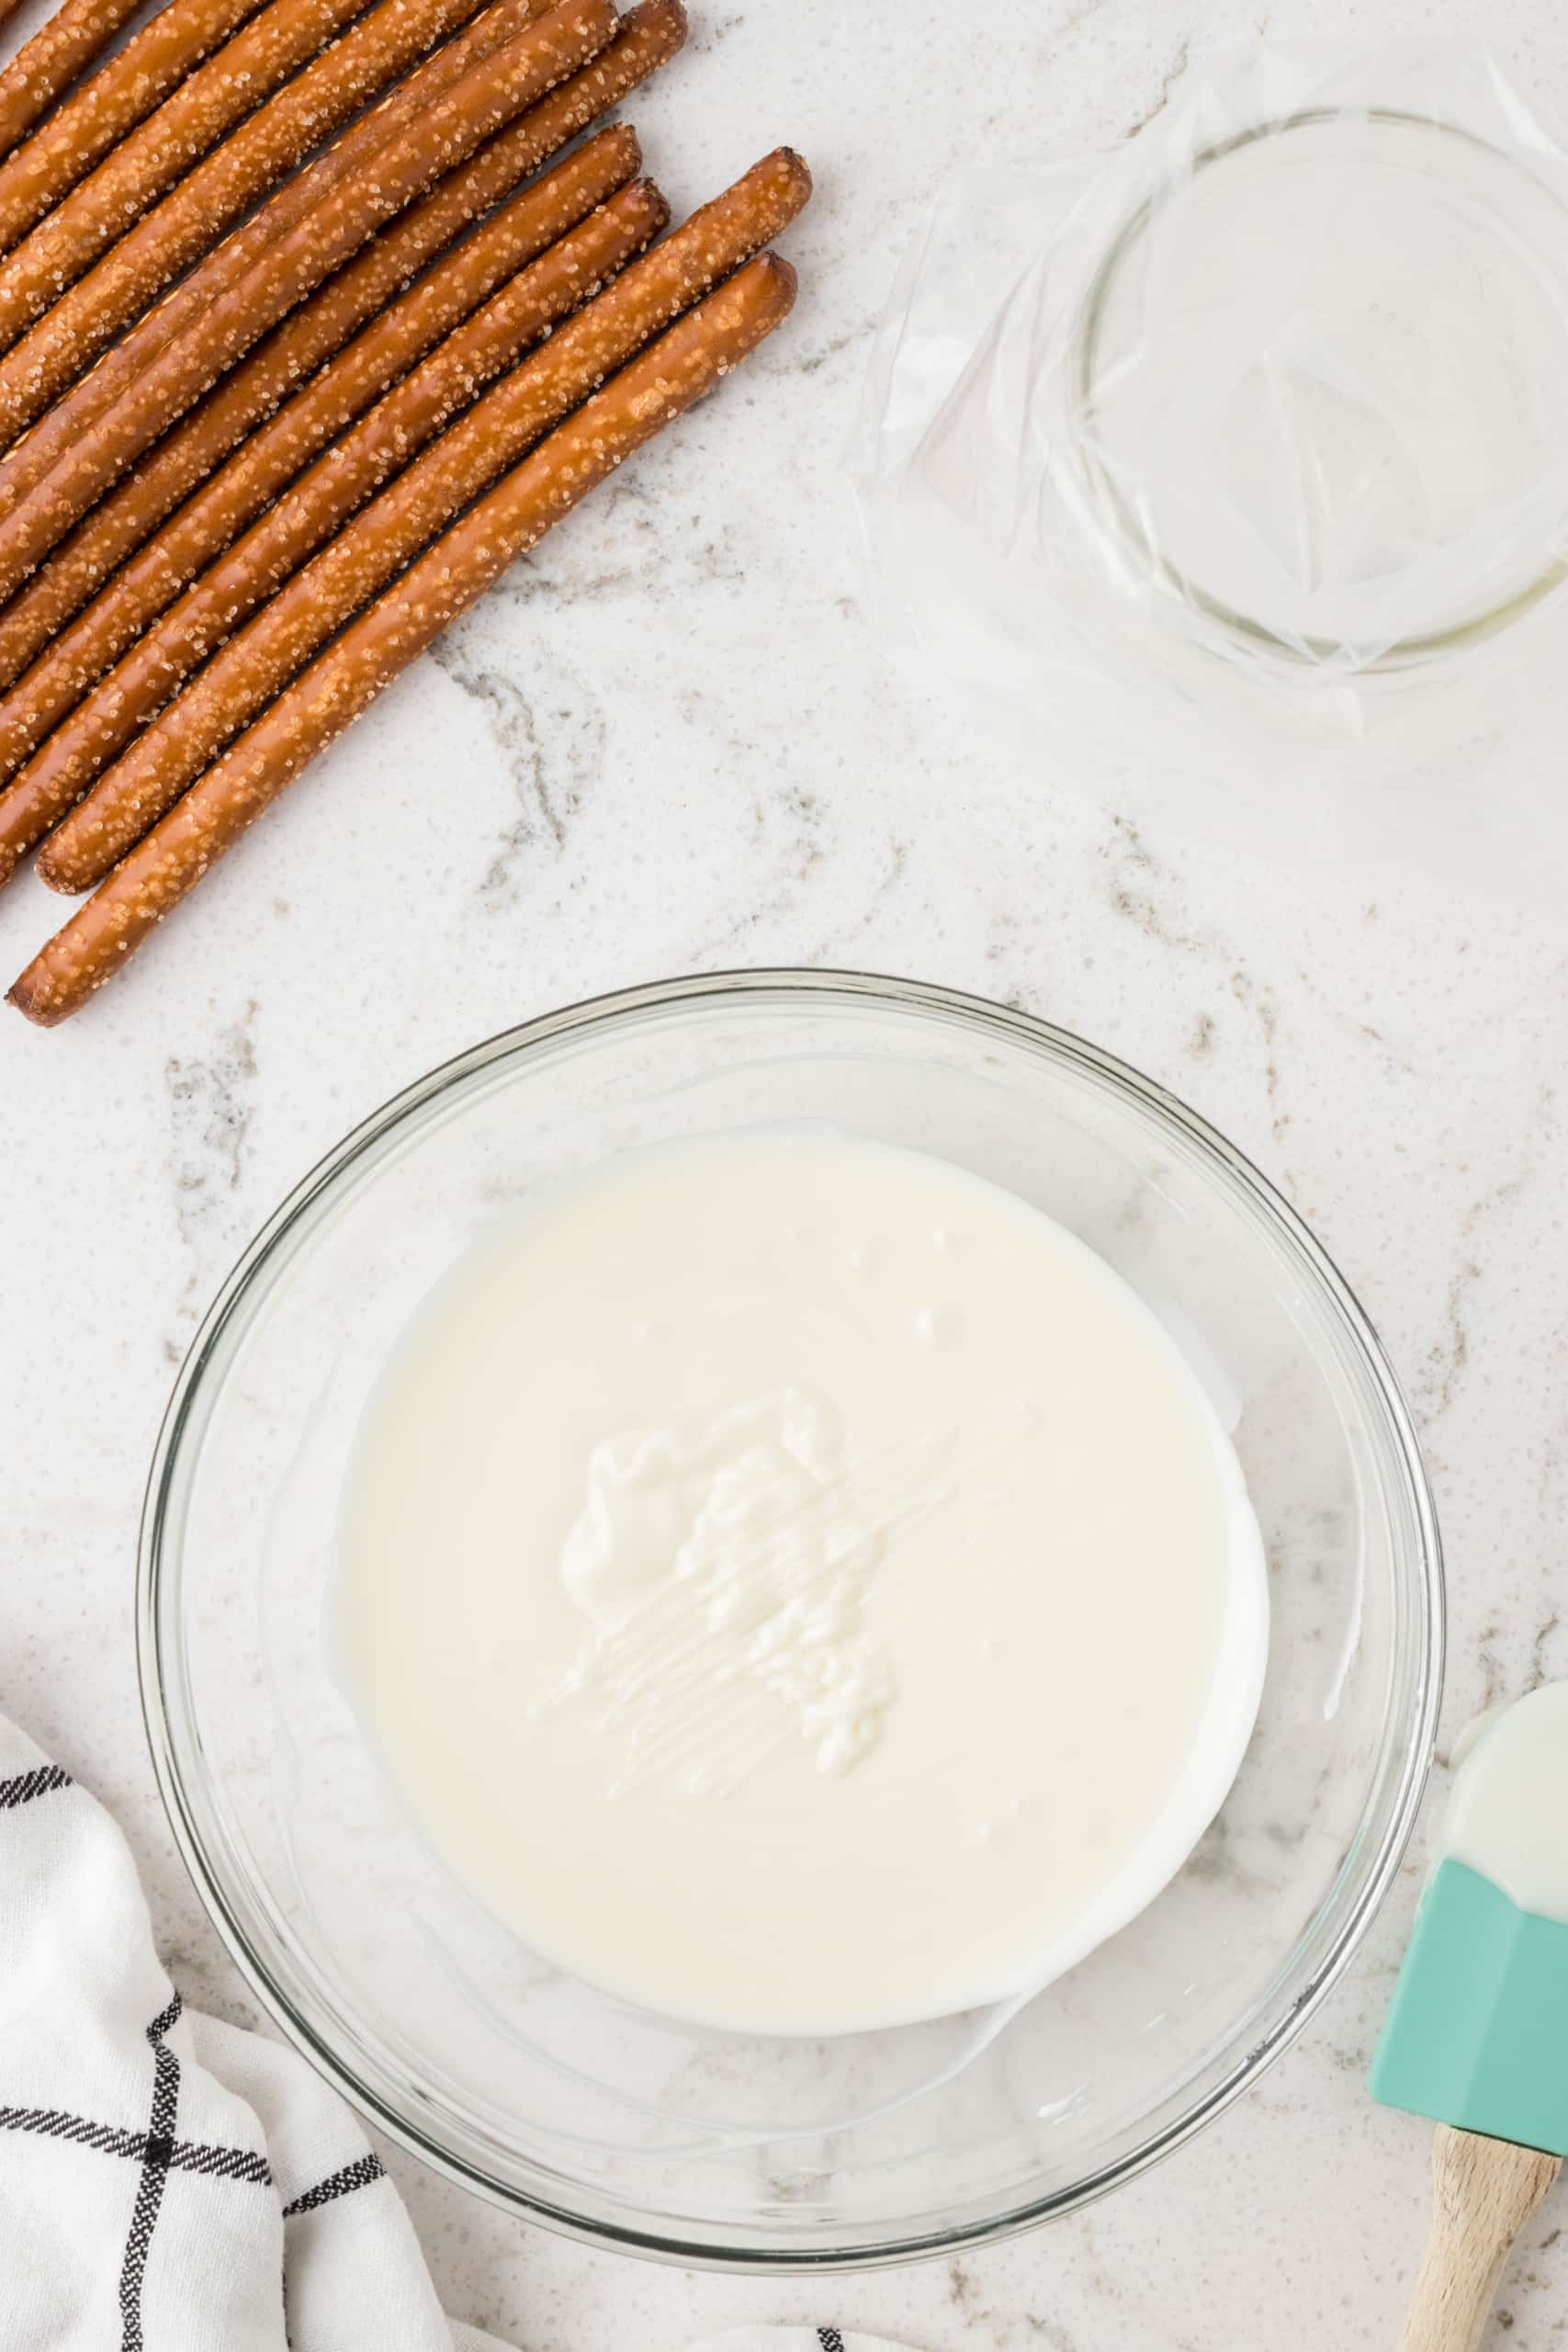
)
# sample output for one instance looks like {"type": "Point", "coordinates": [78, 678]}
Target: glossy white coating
{"type": "Point", "coordinates": [1508, 1812]}
{"type": "Point", "coordinates": [800, 1586]}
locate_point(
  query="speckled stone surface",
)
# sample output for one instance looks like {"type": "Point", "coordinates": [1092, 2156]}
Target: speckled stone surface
{"type": "Point", "coordinates": [673, 741]}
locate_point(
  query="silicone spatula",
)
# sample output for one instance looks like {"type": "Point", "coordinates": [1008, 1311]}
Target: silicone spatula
{"type": "Point", "coordinates": [1477, 2037]}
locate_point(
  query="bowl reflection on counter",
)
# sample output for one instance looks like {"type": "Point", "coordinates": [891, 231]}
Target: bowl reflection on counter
{"type": "Point", "coordinates": [630, 2129]}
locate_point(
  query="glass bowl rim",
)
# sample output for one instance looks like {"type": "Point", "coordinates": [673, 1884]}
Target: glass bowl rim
{"type": "Point", "coordinates": [1409, 1741]}
{"type": "Point", "coordinates": [1231, 625]}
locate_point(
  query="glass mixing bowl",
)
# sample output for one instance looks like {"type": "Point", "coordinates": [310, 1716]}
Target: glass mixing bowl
{"type": "Point", "coordinates": [623, 2127]}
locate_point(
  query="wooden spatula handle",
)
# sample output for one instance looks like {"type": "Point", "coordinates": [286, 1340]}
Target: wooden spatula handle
{"type": "Point", "coordinates": [1484, 2191]}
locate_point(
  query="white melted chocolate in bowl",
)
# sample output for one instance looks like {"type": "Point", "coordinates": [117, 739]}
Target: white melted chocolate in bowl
{"type": "Point", "coordinates": [796, 1586]}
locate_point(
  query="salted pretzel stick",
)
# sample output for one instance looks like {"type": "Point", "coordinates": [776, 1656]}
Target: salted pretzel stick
{"type": "Point", "coordinates": [443, 135]}
{"type": "Point", "coordinates": [45, 67]}
{"type": "Point", "coordinates": [120, 94]}
{"type": "Point", "coordinates": [130, 177]}
{"type": "Point", "coordinates": [258, 662]}
{"type": "Point", "coordinates": [239, 491]}
{"type": "Point", "coordinates": [386, 438]}
{"type": "Point", "coordinates": [687, 362]}
{"type": "Point", "coordinates": [409, 417]}
{"type": "Point", "coordinates": [546, 125]}
{"type": "Point", "coordinates": [194, 215]}
{"type": "Point", "coordinates": [197, 212]}
{"type": "Point", "coordinates": [651, 33]}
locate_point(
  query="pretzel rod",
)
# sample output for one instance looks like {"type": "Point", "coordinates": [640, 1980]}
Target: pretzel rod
{"type": "Point", "coordinates": [442, 135]}
{"type": "Point", "coordinates": [120, 94]}
{"type": "Point", "coordinates": [195, 214]}
{"type": "Point", "coordinates": [368, 552]}
{"type": "Point", "coordinates": [651, 35]}
{"type": "Point", "coordinates": [403, 423]}
{"type": "Point", "coordinates": [687, 362]}
{"type": "Point", "coordinates": [145, 165]}
{"type": "Point", "coordinates": [269, 460]}
{"type": "Point", "coordinates": [44, 68]}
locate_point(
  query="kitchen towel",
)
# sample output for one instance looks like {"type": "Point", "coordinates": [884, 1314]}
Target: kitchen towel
{"type": "Point", "coordinates": [169, 2183]}
{"type": "Point", "coordinates": [792, 2339]}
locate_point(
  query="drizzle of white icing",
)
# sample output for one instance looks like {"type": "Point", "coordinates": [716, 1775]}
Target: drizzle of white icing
{"type": "Point", "coordinates": [724, 1572]}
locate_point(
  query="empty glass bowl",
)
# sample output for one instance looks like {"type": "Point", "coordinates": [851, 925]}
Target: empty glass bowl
{"type": "Point", "coordinates": [623, 2127]}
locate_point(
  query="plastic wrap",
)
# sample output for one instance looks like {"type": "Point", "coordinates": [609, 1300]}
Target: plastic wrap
{"type": "Point", "coordinates": [1247, 442]}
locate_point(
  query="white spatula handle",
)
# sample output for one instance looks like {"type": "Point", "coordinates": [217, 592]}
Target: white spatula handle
{"type": "Point", "coordinates": [1484, 2191]}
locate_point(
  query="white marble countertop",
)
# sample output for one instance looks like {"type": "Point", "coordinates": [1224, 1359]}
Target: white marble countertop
{"type": "Point", "coordinates": [672, 742]}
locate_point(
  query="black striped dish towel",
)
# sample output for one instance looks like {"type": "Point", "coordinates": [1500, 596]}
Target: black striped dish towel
{"type": "Point", "coordinates": [169, 2183]}
{"type": "Point", "coordinates": [793, 2339]}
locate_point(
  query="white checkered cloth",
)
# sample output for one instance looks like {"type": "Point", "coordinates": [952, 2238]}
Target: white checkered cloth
{"type": "Point", "coordinates": [166, 2182]}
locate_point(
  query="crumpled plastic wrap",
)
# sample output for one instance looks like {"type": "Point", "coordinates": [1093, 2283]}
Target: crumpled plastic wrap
{"type": "Point", "coordinates": [1241, 454]}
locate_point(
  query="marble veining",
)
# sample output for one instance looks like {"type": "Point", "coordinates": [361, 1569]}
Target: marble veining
{"type": "Point", "coordinates": [553, 753]}
{"type": "Point", "coordinates": [673, 741]}
{"type": "Point", "coordinates": [210, 1112]}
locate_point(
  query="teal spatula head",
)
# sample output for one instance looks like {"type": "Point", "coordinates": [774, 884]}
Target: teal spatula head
{"type": "Point", "coordinates": [1478, 2033]}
